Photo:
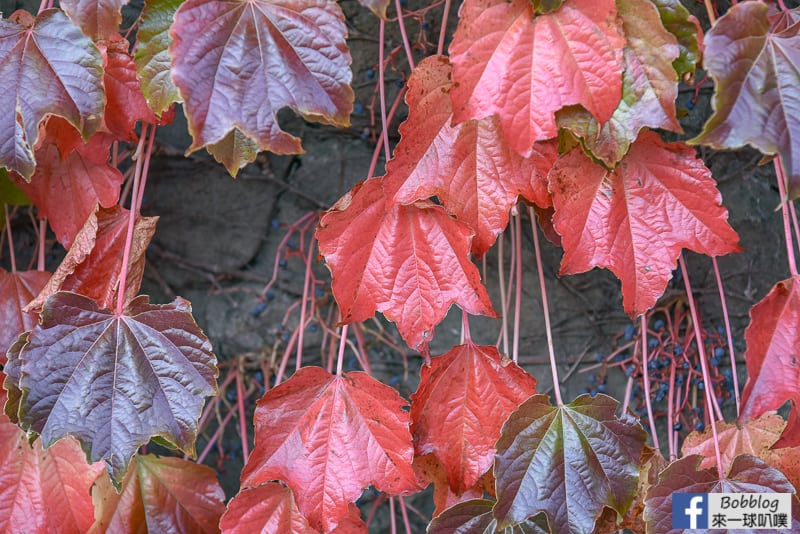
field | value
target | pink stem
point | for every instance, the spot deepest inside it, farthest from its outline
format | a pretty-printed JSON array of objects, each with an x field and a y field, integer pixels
[
  {"x": 40, "y": 265},
  {"x": 403, "y": 34},
  {"x": 465, "y": 328},
  {"x": 646, "y": 382},
  {"x": 627, "y": 400},
  {"x": 214, "y": 437},
  {"x": 518, "y": 285},
  {"x": 503, "y": 295},
  {"x": 240, "y": 397},
  {"x": 382, "y": 84},
  {"x": 392, "y": 519},
  {"x": 11, "y": 240},
  {"x": 793, "y": 213},
  {"x": 671, "y": 441},
  {"x": 379, "y": 145},
  {"x": 340, "y": 356},
  {"x": 146, "y": 167},
  {"x": 784, "y": 209},
  {"x": 443, "y": 29},
  {"x": 725, "y": 317},
  {"x": 703, "y": 363},
  {"x": 546, "y": 307},
  {"x": 123, "y": 275},
  {"x": 403, "y": 511},
  {"x": 306, "y": 284}
]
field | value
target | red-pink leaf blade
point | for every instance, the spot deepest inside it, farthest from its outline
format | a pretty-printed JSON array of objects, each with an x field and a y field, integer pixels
[{"x": 269, "y": 507}]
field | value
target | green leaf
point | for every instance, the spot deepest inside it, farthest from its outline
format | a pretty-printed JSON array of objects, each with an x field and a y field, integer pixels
[
  {"x": 115, "y": 381},
  {"x": 568, "y": 462},
  {"x": 649, "y": 88},
  {"x": 474, "y": 517},
  {"x": 10, "y": 194},
  {"x": 152, "y": 57},
  {"x": 756, "y": 69},
  {"x": 685, "y": 27}
]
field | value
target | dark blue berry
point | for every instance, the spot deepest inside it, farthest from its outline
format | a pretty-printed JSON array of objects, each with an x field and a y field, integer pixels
[
  {"x": 358, "y": 108},
  {"x": 258, "y": 309},
  {"x": 677, "y": 427},
  {"x": 598, "y": 357},
  {"x": 592, "y": 379},
  {"x": 678, "y": 350},
  {"x": 601, "y": 388},
  {"x": 719, "y": 352},
  {"x": 286, "y": 336},
  {"x": 714, "y": 361},
  {"x": 701, "y": 385},
  {"x": 629, "y": 331},
  {"x": 699, "y": 426},
  {"x": 652, "y": 343},
  {"x": 370, "y": 74},
  {"x": 282, "y": 264},
  {"x": 312, "y": 327},
  {"x": 276, "y": 223}
]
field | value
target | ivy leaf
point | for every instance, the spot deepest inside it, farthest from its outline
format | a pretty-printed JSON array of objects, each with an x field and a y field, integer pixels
[
  {"x": 113, "y": 381},
  {"x": 463, "y": 399},
  {"x": 329, "y": 437},
  {"x": 269, "y": 507},
  {"x": 429, "y": 470},
  {"x": 635, "y": 219},
  {"x": 68, "y": 70},
  {"x": 94, "y": 261},
  {"x": 160, "y": 495},
  {"x": 12, "y": 369},
  {"x": 43, "y": 491},
  {"x": 649, "y": 88},
  {"x": 238, "y": 63},
  {"x": 756, "y": 70},
  {"x": 686, "y": 29},
  {"x": 475, "y": 516},
  {"x": 524, "y": 67},
  {"x": 376, "y": 6},
  {"x": 17, "y": 289},
  {"x": 469, "y": 167},
  {"x": 773, "y": 368},
  {"x": 151, "y": 55},
  {"x": 408, "y": 262},
  {"x": 126, "y": 104},
  {"x": 568, "y": 461},
  {"x": 98, "y": 19},
  {"x": 67, "y": 186},
  {"x": 747, "y": 474}
]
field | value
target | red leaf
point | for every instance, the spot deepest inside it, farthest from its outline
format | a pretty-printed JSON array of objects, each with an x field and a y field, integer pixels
[
  {"x": 568, "y": 461},
  {"x": 67, "y": 187},
  {"x": 756, "y": 70},
  {"x": 772, "y": 358},
  {"x": 238, "y": 63},
  {"x": 113, "y": 381},
  {"x": 475, "y": 516},
  {"x": 746, "y": 475},
  {"x": 43, "y": 491},
  {"x": 269, "y": 507},
  {"x": 649, "y": 87},
  {"x": 409, "y": 262},
  {"x": 525, "y": 67},
  {"x": 159, "y": 495},
  {"x": 125, "y": 104},
  {"x": 470, "y": 167},
  {"x": 99, "y": 19},
  {"x": 68, "y": 70},
  {"x": 636, "y": 219},
  {"x": 328, "y": 438},
  {"x": 463, "y": 399},
  {"x": 153, "y": 62},
  {"x": 16, "y": 291},
  {"x": 94, "y": 261},
  {"x": 430, "y": 471}
]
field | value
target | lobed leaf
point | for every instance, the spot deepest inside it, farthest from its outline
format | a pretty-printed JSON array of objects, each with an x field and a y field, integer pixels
[
  {"x": 159, "y": 495},
  {"x": 93, "y": 263},
  {"x": 430, "y": 471},
  {"x": 475, "y": 517},
  {"x": 43, "y": 490},
  {"x": 773, "y": 369},
  {"x": 329, "y": 437},
  {"x": 756, "y": 71},
  {"x": 48, "y": 67},
  {"x": 686, "y": 29},
  {"x": 747, "y": 474},
  {"x": 509, "y": 61},
  {"x": 98, "y": 19},
  {"x": 635, "y": 219},
  {"x": 17, "y": 289},
  {"x": 649, "y": 88},
  {"x": 114, "y": 382},
  {"x": 462, "y": 401},
  {"x": 269, "y": 507},
  {"x": 475, "y": 174},
  {"x": 151, "y": 55},
  {"x": 236, "y": 64},
  {"x": 568, "y": 461},
  {"x": 409, "y": 262}
]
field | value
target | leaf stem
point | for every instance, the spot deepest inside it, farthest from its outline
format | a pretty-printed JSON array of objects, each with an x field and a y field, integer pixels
[
  {"x": 340, "y": 356},
  {"x": 443, "y": 29},
  {"x": 503, "y": 295},
  {"x": 646, "y": 383},
  {"x": 302, "y": 325},
  {"x": 379, "y": 145},
  {"x": 10, "y": 240},
  {"x": 546, "y": 308},
  {"x": 403, "y": 34},
  {"x": 137, "y": 175},
  {"x": 240, "y": 396},
  {"x": 781, "y": 176},
  {"x": 671, "y": 418},
  {"x": 382, "y": 87},
  {"x": 465, "y": 334},
  {"x": 404, "y": 512},
  {"x": 518, "y": 284},
  {"x": 726, "y": 318},
  {"x": 703, "y": 362},
  {"x": 40, "y": 264},
  {"x": 712, "y": 17}
]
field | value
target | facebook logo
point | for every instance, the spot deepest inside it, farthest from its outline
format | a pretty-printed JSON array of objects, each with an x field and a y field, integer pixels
[{"x": 690, "y": 510}]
